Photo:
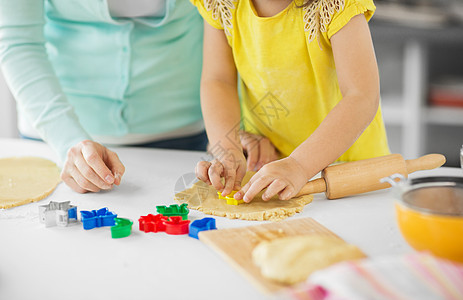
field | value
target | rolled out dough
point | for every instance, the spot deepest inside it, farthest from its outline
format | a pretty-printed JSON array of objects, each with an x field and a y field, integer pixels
[
  {"x": 292, "y": 259},
  {"x": 26, "y": 179},
  {"x": 203, "y": 197}
]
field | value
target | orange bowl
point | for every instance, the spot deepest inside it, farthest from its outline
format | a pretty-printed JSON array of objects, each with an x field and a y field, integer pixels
[{"x": 430, "y": 216}]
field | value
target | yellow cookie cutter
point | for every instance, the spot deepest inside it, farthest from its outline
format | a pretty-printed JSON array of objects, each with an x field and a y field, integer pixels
[{"x": 230, "y": 199}]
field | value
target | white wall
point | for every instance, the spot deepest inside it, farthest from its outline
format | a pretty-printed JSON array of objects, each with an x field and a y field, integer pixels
[{"x": 7, "y": 112}]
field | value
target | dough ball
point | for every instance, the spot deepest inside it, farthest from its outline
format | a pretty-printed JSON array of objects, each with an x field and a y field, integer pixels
[{"x": 291, "y": 260}]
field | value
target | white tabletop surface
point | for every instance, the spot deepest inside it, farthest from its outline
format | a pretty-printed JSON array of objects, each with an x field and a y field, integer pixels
[{"x": 72, "y": 263}]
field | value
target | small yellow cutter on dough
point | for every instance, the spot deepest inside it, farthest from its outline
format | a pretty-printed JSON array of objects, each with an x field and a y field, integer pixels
[{"x": 230, "y": 199}]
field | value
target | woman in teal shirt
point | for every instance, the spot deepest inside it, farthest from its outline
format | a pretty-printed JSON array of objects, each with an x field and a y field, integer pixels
[{"x": 87, "y": 72}]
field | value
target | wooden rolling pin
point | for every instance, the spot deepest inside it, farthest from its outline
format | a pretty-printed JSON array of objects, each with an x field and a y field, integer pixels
[{"x": 363, "y": 176}]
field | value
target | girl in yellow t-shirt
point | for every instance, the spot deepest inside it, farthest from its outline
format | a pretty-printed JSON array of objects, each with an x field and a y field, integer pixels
[{"x": 308, "y": 82}]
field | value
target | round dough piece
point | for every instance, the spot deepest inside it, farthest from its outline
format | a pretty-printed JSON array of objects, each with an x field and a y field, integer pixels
[
  {"x": 292, "y": 259},
  {"x": 26, "y": 179},
  {"x": 203, "y": 197}
]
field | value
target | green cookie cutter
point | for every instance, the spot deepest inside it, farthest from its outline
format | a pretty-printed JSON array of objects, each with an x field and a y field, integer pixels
[
  {"x": 123, "y": 228},
  {"x": 174, "y": 210}
]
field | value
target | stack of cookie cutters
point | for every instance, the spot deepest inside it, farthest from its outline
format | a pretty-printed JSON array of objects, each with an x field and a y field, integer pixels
[
  {"x": 152, "y": 223},
  {"x": 97, "y": 218},
  {"x": 159, "y": 223},
  {"x": 57, "y": 213},
  {"x": 176, "y": 225},
  {"x": 201, "y": 225},
  {"x": 174, "y": 210}
]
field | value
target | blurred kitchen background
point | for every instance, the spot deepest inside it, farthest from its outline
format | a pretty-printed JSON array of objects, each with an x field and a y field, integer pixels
[{"x": 419, "y": 47}]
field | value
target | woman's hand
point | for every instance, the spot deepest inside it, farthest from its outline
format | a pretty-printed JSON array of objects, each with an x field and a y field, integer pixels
[
  {"x": 231, "y": 166},
  {"x": 91, "y": 167},
  {"x": 259, "y": 149},
  {"x": 284, "y": 177}
]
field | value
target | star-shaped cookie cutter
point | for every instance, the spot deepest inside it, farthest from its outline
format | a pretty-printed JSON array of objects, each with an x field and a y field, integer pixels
[
  {"x": 152, "y": 223},
  {"x": 57, "y": 213},
  {"x": 97, "y": 218},
  {"x": 230, "y": 199}
]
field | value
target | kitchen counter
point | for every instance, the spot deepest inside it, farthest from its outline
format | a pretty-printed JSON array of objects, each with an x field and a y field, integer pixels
[{"x": 72, "y": 263}]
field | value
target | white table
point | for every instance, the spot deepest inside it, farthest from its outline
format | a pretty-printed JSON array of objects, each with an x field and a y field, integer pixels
[{"x": 72, "y": 263}]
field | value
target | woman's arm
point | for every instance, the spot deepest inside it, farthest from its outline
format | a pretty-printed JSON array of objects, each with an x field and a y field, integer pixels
[
  {"x": 359, "y": 83},
  {"x": 36, "y": 88},
  {"x": 30, "y": 75}
]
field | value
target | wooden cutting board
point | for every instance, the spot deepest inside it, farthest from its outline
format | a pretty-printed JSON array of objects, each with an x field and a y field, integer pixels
[{"x": 235, "y": 245}]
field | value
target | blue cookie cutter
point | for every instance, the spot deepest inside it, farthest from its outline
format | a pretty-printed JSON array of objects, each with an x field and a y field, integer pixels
[
  {"x": 97, "y": 218},
  {"x": 201, "y": 225}
]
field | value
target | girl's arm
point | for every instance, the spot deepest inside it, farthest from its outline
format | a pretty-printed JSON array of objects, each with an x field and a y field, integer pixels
[
  {"x": 221, "y": 113},
  {"x": 358, "y": 79}
]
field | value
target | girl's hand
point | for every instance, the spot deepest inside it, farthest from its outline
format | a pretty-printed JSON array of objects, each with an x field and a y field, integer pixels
[
  {"x": 91, "y": 167},
  {"x": 231, "y": 166},
  {"x": 259, "y": 149},
  {"x": 284, "y": 177}
]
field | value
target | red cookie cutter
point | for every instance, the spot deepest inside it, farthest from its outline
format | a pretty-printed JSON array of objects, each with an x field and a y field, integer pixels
[
  {"x": 152, "y": 223},
  {"x": 175, "y": 225}
]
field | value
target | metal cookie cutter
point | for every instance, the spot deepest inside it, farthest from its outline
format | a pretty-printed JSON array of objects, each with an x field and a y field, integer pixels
[
  {"x": 123, "y": 228},
  {"x": 230, "y": 199},
  {"x": 152, "y": 223},
  {"x": 201, "y": 225},
  {"x": 174, "y": 210},
  {"x": 175, "y": 225},
  {"x": 97, "y": 218},
  {"x": 57, "y": 213}
]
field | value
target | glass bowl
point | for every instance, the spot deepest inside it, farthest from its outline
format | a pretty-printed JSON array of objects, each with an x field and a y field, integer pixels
[{"x": 429, "y": 213}]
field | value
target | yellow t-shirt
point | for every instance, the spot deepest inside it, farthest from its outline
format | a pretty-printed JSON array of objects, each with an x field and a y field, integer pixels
[{"x": 288, "y": 81}]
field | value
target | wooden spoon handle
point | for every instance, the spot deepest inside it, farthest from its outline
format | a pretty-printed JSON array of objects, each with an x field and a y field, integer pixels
[
  {"x": 313, "y": 187},
  {"x": 426, "y": 162}
]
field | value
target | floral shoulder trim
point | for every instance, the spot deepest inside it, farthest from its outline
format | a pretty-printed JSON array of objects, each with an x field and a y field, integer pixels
[
  {"x": 318, "y": 15},
  {"x": 222, "y": 11}
]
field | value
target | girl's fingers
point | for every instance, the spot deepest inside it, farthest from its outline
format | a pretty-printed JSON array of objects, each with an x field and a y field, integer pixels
[
  {"x": 251, "y": 144},
  {"x": 252, "y": 149},
  {"x": 240, "y": 194},
  {"x": 287, "y": 193},
  {"x": 201, "y": 171},
  {"x": 239, "y": 177},
  {"x": 267, "y": 153},
  {"x": 230, "y": 175},
  {"x": 257, "y": 186},
  {"x": 263, "y": 154},
  {"x": 274, "y": 188},
  {"x": 215, "y": 173}
]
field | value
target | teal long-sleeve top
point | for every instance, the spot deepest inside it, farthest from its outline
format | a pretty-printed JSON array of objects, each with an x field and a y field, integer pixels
[{"x": 77, "y": 73}]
